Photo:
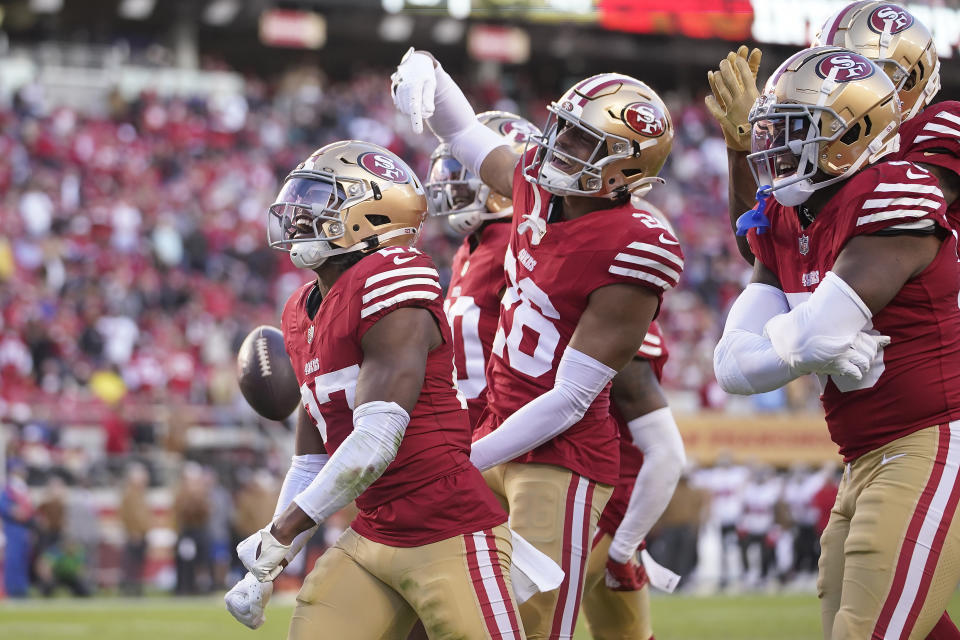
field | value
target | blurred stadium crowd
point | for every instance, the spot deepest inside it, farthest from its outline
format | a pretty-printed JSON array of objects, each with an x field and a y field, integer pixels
[
  {"x": 133, "y": 262},
  {"x": 729, "y": 527}
]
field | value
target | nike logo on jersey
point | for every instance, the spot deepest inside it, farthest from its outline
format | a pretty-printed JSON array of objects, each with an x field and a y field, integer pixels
[
  {"x": 916, "y": 176},
  {"x": 887, "y": 459},
  {"x": 399, "y": 260},
  {"x": 665, "y": 240}
]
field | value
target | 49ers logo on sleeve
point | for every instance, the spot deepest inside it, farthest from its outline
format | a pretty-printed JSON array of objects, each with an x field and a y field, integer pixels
[
  {"x": 891, "y": 14},
  {"x": 849, "y": 66},
  {"x": 383, "y": 166},
  {"x": 645, "y": 118}
]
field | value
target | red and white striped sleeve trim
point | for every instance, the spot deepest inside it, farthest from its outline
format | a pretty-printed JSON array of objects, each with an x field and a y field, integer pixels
[
  {"x": 652, "y": 346},
  {"x": 650, "y": 263},
  {"x": 389, "y": 288},
  {"x": 905, "y": 201},
  {"x": 942, "y": 124}
]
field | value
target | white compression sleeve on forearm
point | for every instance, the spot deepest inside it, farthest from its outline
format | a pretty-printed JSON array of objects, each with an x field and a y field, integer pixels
[
  {"x": 364, "y": 455},
  {"x": 821, "y": 328},
  {"x": 744, "y": 361},
  {"x": 655, "y": 434},
  {"x": 454, "y": 122},
  {"x": 303, "y": 469},
  {"x": 579, "y": 381}
]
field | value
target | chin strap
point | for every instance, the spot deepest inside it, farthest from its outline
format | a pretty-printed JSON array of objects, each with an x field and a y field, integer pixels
[
  {"x": 366, "y": 244},
  {"x": 641, "y": 187}
]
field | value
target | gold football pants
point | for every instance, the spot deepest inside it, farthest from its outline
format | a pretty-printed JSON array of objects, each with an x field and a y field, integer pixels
[
  {"x": 890, "y": 556},
  {"x": 613, "y": 615},
  {"x": 363, "y": 590},
  {"x": 557, "y": 511}
]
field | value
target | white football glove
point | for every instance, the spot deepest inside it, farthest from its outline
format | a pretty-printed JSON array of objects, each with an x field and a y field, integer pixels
[
  {"x": 859, "y": 356},
  {"x": 413, "y": 86},
  {"x": 247, "y": 600},
  {"x": 263, "y": 555}
]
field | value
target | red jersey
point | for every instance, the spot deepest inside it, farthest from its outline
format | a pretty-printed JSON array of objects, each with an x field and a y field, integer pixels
[
  {"x": 654, "y": 351},
  {"x": 431, "y": 491},
  {"x": 550, "y": 276},
  {"x": 917, "y": 384},
  {"x": 933, "y": 137},
  {"x": 473, "y": 309}
]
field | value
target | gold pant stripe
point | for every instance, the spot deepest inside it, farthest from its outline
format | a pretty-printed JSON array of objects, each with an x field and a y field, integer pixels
[{"x": 924, "y": 540}]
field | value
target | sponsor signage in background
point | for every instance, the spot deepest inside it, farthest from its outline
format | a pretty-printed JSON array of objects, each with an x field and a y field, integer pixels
[
  {"x": 778, "y": 439},
  {"x": 509, "y": 45},
  {"x": 787, "y": 22},
  {"x": 727, "y": 19},
  {"x": 292, "y": 29}
]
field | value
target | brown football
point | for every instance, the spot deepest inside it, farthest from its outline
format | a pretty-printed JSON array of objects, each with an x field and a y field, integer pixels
[{"x": 266, "y": 375}]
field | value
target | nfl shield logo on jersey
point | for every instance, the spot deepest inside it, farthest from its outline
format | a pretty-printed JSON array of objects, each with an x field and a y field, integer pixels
[
  {"x": 804, "y": 244},
  {"x": 310, "y": 335}
]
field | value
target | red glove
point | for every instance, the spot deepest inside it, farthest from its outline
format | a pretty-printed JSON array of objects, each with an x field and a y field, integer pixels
[{"x": 628, "y": 576}]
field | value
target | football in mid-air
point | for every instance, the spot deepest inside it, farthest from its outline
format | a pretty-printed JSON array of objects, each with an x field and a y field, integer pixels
[{"x": 266, "y": 375}]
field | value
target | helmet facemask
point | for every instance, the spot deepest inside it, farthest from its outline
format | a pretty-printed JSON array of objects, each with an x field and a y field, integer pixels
[
  {"x": 454, "y": 191},
  {"x": 572, "y": 156},
  {"x": 786, "y": 145},
  {"x": 307, "y": 217}
]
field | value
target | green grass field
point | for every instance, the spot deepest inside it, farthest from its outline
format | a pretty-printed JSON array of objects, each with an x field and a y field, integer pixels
[{"x": 746, "y": 617}]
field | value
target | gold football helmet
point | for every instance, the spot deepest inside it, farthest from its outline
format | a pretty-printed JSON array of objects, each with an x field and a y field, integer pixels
[
  {"x": 896, "y": 41},
  {"x": 607, "y": 136},
  {"x": 347, "y": 196},
  {"x": 824, "y": 113},
  {"x": 455, "y": 192}
]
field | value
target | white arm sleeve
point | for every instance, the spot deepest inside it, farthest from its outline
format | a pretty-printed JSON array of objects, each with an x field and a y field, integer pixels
[
  {"x": 820, "y": 329},
  {"x": 579, "y": 381},
  {"x": 744, "y": 361},
  {"x": 303, "y": 469},
  {"x": 378, "y": 429},
  {"x": 655, "y": 434}
]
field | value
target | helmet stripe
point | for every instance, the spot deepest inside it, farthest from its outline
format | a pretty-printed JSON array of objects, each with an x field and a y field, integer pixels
[
  {"x": 835, "y": 26},
  {"x": 589, "y": 87},
  {"x": 786, "y": 65}
]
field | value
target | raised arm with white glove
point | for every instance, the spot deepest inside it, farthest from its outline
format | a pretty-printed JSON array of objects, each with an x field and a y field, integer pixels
[{"x": 422, "y": 90}]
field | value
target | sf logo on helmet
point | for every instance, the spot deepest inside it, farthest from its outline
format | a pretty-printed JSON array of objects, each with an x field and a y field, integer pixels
[
  {"x": 645, "y": 118},
  {"x": 892, "y": 15},
  {"x": 846, "y": 66},
  {"x": 383, "y": 167}
]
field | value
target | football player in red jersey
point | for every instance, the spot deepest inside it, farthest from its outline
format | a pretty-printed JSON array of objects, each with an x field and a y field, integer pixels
[
  {"x": 382, "y": 420},
  {"x": 930, "y": 136},
  {"x": 619, "y": 606},
  {"x": 870, "y": 253},
  {"x": 903, "y": 48},
  {"x": 586, "y": 272},
  {"x": 477, "y": 282}
]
